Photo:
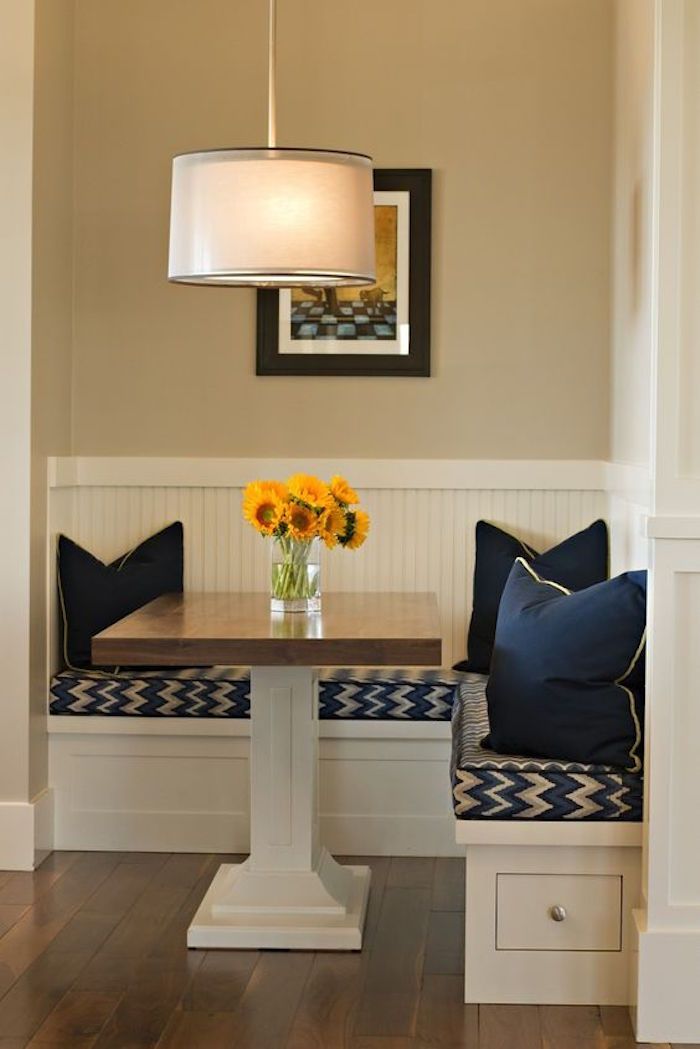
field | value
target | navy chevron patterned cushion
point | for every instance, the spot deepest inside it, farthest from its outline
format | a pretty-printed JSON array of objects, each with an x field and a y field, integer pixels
[
  {"x": 491, "y": 786},
  {"x": 356, "y": 693}
]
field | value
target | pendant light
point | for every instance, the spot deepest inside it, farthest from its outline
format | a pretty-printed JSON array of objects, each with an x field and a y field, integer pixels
[{"x": 272, "y": 216}]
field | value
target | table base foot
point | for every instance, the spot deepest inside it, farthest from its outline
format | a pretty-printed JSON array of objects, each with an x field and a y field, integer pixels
[{"x": 215, "y": 925}]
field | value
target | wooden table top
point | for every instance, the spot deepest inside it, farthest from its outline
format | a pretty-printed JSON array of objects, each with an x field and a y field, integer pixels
[{"x": 193, "y": 629}]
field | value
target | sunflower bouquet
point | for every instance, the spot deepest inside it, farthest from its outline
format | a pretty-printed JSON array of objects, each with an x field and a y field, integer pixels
[{"x": 299, "y": 514}]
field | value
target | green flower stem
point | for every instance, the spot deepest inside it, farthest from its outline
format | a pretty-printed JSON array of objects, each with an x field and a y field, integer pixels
[{"x": 293, "y": 577}]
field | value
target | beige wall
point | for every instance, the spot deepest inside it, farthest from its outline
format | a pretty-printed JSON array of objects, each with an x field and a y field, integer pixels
[
  {"x": 632, "y": 231},
  {"x": 16, "y": 100},
  {"x": 509, "y": 101},
  {"x": 35, "y": 360},
  {"x": 52, "y": 317}
]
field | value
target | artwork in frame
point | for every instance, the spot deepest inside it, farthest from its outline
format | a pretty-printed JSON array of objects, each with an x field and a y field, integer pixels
[{"x": 380, "y": 329}]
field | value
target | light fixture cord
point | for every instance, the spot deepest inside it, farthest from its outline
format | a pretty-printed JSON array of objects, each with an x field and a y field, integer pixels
[{"x": 272, "y": 78}]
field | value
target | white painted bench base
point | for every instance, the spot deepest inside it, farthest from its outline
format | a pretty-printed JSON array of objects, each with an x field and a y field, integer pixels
[
  {"x": 182, "y": 785},
  {"x": 516, "y": 952}
]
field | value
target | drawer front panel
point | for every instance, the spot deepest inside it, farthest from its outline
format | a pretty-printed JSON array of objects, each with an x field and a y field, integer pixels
[{"x": 588, "y": 906}]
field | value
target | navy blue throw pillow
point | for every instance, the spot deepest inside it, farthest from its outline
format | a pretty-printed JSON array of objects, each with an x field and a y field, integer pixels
[
  {"x": 567, "y": 677},
  {"x": 577, "y": 562},
  {"x": 94, "y": 595}
]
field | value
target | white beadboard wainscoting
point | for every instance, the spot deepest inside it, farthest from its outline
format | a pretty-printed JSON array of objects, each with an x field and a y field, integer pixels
[
  {"x": 421, "y": 538},
  {"x": 165, "y": 784}
]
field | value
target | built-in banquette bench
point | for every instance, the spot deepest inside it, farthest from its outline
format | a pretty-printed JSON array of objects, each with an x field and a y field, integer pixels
[
  {"x": 181, "y": 781},
  {"x": 552, "y": 869},
  {"x": 552, "y": 847},
  {"x": 158, "y": 759}
]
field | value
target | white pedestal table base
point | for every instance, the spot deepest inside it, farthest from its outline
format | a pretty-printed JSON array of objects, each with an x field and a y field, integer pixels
[{"x": 290, "y": 892}]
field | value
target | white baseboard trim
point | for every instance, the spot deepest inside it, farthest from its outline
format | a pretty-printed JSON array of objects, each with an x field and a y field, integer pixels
[
  {"x": 668, "y": 978},
  {"x": 364, "y": 835},
  {"x": 204, "y": 832},
  {"x": 139, "y": 831},
  {"x": 26, "y": 832}
]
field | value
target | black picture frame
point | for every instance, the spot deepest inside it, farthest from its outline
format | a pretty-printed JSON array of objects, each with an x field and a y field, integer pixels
[{"x": 416, "y": 363}]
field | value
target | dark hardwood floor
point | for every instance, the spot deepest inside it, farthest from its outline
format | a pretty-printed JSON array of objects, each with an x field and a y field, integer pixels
[{"x": 93, "y": 956}]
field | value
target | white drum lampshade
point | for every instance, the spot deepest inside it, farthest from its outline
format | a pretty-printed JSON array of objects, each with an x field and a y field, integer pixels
[{"x": 272, "y": 217}]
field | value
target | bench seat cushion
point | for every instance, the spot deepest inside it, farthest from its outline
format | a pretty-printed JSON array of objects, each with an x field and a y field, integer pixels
[
  {"x": 486, "y": 785},
  {"x": 364, "y": 693}
]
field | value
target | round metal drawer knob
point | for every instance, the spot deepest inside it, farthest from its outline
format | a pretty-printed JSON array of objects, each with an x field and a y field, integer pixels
[{"x": 558, "y": 914}]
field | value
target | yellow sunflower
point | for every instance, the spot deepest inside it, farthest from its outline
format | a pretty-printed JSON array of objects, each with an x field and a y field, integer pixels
[
  {"x": 342, "y": 491},
  {"x": 263, "y": 505},
  {"x": 310, "y": 490},
  {"x": 279, "y": 487},
  {"x": 333, "y": 524},
  {"x": 359, "y": 526},
  {"x": 302, "y": 523}
]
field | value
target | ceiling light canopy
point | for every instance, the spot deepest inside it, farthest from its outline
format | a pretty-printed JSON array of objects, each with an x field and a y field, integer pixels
[{"x": 272, "y": 216}]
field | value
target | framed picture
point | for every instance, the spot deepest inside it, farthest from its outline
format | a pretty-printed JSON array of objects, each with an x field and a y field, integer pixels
[{"x": 380, "y": 329}]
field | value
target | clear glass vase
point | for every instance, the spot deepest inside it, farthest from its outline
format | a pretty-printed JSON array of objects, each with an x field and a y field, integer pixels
[{"x": 296, "y": 575}]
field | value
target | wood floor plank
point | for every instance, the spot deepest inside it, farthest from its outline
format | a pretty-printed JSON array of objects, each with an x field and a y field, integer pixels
[
  {"x": 79, "y": 1016},
  {"x": 148, "y": 1003},
  {"x": 444, "y": 1021},
  {"x": 40, "y": 988},
  {"x": 10, "y": 913},
  {"x": 445, "y": 944},
  {"x": 411, "y": 872},
  {"x": 160, "y": 981},
  {"x": 153, "y": 859},
  {"x": 220, "y": 981},
  {"x": 26, "y": 887},
  {"x": 389, "y": 1001},
  {"x": 267, "y": 1007},
  {"x": 615, "y": 1021},
  {"x": 132, "y": 921},
  {"x": 326, "y": 1015},
  {"x": 73, "y": 1043},
  {"x": 618, "y": 1032},
  {"x": 138, "y": 930},
  {"x": 38, "y": 991},
  {"x": 509, "y": 1025},
  {"x": 173, "y": 935},
  {"x": 366, "y": 1042},
  {"x": 625, "y": 1042},
  {"x": 48, "y": 916},
  {"x": 571, "y": 1027},
  {"x": 448, "y": 884},
  {"x": 198, "y": 1030},
  {"x": 119, "y": 892}
]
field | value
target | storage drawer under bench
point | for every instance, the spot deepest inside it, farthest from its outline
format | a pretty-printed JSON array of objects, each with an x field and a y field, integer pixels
[
  {"x": 549, "y": 924},
  {"x": 558, "y": 912}
]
